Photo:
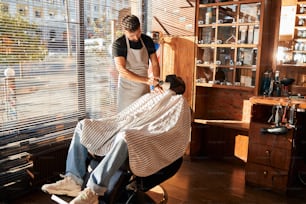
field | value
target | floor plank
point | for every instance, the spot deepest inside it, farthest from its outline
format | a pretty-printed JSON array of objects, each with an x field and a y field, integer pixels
[{"x": 204, "y": 181}]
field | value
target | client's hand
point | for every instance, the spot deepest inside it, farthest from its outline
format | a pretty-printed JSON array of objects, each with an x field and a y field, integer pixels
[{"x": 158, "y": 89}]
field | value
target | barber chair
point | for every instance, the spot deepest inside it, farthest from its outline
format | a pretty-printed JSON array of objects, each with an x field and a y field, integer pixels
[{"x": 126, "y": 188}]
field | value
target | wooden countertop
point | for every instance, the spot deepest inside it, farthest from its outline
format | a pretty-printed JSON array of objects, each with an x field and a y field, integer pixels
[
  {"x": 233, "y": 124},
  {"x": 300, "y": 103}
]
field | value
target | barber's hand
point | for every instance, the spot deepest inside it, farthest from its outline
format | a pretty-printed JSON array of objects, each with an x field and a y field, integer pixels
[
  {"x": 152, "y": 81},
  {"x": 155, "y": 83}
]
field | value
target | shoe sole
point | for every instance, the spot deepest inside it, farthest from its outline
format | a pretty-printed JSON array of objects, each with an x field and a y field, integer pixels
[{"x": 63, "y": 192}]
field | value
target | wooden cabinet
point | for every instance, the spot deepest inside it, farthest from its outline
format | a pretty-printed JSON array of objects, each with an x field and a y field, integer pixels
[
  {"x": 269, "y": 157},
  {"x": 275, "y": 160},
  {"x": 234, "y": 45},
  {"x": 235, "y": 41},
  {"x": 228, "y": 36},
  {"x": 267, "y": 177}
]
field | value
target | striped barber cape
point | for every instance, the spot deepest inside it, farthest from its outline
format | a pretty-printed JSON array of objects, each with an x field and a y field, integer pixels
[{"x": 156, "y": 128}]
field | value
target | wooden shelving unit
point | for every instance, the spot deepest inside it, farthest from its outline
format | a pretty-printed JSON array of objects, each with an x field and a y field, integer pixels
[
  {"x": 299, "y": 49},
  {"x": 228, "y": 38},
  {"x": 294, "y": 66},
  {"x": 232, "y": 48}
]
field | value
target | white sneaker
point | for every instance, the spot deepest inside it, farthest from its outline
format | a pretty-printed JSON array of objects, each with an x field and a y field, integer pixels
[
  {"x": 66, "y": 186},
  {"x": 87, "y": 196}
]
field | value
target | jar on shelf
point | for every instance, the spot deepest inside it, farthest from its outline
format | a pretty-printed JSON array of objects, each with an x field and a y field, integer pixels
[
  {"x": 302, "y": 9},
  {"x": 296, "y": 46},
  {"x": 301, "y": 46},
  {"x": 301, "y": 22}
]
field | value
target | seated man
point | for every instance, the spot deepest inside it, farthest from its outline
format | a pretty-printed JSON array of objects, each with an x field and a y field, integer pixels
[{"x": 152, "y": 132}]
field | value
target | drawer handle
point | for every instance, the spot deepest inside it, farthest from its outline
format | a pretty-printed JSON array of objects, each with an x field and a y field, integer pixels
[
  {"x": 268, "y": 152},
  {"x": 265, "y": 173}
]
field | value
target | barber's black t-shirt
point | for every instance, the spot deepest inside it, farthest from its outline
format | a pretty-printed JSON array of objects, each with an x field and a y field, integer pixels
[{"x": 119, "y": 47}]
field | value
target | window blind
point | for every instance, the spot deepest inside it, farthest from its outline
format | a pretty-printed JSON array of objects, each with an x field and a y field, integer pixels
[
  {"x": 39, "y": 64},
  {"x": 56, "y": 68},
  {"x": 49, "y": 56},
  {"x": 41, "y": 81}
]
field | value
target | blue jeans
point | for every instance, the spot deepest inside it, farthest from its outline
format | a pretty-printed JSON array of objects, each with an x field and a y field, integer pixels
[{"x": 101, "y": 175}]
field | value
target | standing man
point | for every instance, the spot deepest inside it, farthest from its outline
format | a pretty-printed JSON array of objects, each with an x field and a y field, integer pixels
[{"x": 132, "y": 53}]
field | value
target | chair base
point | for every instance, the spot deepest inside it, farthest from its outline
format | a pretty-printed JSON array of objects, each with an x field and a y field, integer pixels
[
  {"x": 135, "y": 198},
  {"x": 126, "y": 188},
  {"x": 140, "y": 197}
]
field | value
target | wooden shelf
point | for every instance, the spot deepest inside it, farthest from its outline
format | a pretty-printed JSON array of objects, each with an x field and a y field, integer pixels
[
  {"x": 300, "y": 40},
  {"x": 301, "y": 103},
  {"x": 300, "y": 51},
  {"x": 300, "y": 27},
  {"x": 214, "y": 25},
  {"x": 227, "y": 3},
  {"x": 233, "y": 45},
  {"x": 242, "y": 88},
  {"x": 301, "y": 2},
  {"x": 227, "y": 66},
  {"x": 301, "y": 15},
  {"x": 294, "y": 66},
  {"x": 233, "y": 124},
  {"x": 205, "y": 65}
]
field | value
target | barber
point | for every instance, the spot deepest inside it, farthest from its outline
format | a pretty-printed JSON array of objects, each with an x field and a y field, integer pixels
[{"x": 132, "y": 53}]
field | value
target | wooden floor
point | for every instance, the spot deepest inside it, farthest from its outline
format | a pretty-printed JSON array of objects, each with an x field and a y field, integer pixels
[{"x": 205, "y": 181}]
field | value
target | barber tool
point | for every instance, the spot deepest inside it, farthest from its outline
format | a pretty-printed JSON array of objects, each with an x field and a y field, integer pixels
[
  {"x": 270, "y": 89},
  {"x": 291, "y": 114},
  {"x": 286, "y": 82},
  {"x": 164, "y": 85},
  {"x": 284, "y": 117},
  {"x": 277, "y": 112},
  {"x": 275, "y": 130},
  {"x": 278, "y": 115}
]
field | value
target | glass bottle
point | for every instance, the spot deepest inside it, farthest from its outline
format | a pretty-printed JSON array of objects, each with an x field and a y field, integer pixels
[
  {"x": 265, "y": 84},
  {"x": 277, "y": 84},
  {"x": 208, "y": 16}
]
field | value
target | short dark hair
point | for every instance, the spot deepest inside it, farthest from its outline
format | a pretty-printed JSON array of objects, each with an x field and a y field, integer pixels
[
  {"x": 130, "y": 23},
  {"x": 177, "y": 84}
]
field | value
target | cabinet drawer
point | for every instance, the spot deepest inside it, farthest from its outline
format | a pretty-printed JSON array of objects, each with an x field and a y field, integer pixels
[
  {"x": 266, "y": 176},
  {"x": 270, "y": 156},
  {"x": 281, "y": 141}
]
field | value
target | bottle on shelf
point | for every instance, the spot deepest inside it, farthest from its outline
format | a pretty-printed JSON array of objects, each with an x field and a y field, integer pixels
[
  {"x": 301, "y": 22},
  {"x": 208, "y": 16},
  {"x": 277, "y": 84},
  {"x": 302, "y": 9},
  {"x": 292, "y": 115},
  {"x": 266, "y": 83}
]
